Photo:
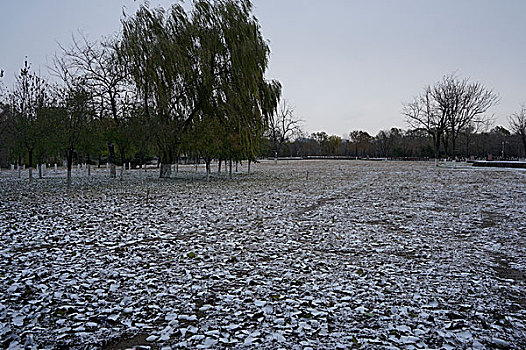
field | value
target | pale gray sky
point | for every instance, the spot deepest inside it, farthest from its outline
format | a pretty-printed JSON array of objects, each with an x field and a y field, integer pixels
[{"x": 344, "y": 64}]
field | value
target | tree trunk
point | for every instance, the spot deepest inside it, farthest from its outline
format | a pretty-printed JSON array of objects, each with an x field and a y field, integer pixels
[
  {"x": 468, "y": 140},
  {"x": 30, "y": 164},
  {"x": 88, "y": 161},
  {"x": 166, "y": 171},
  {"x": 446, "y": 145},
  {"x": 249, "y": 163},
  {"x": 230, "y": 170},
  {"x": 454, "y": 146},
  {"x": 123, "y": 161},
  {"x": 219, "y": 166},
  {"x": 207, "y": 165},
  {"x": 111, "y": 151},
  {"x": 39, "y": 165},
  {"x": 437, "y": 149},
  {"x": 69, "y": 164}
]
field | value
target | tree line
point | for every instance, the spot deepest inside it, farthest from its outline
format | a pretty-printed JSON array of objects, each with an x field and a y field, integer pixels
[
  {"x": 191, "y": 84},
  {"x": 409, "y": 144},
  {"x": 172, "y": 83},
  {"x": 449, "y": 119}
]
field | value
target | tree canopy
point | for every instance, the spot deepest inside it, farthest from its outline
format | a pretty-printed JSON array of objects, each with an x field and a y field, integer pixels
[{"x": 204, "y": 65}]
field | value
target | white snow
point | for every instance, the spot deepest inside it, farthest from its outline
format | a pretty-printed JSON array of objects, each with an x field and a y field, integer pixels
[{"x": 381, "y": 254}]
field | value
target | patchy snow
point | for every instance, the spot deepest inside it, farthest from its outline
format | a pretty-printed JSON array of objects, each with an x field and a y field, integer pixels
[{"x": 369, "y": 254}]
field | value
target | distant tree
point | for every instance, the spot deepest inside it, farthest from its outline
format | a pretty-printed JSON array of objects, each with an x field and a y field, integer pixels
[
  {"x": 4, "y": 123},
  {"x": 91, "y": 138},
  {"x": 28, "y": 100},
  {"x": 499, "y": 137},
  {"x": 105, "y": 80},
  {"x": 416, "y": 144},
  {"x": 7, "y": 140},
  {"x": 424, "y": 114},
  {"x": 468, "y": 134},
  {"x": 322, "y": 139},
  {"x": 5, "y": 119},
  {"x": 334, "y": 144},
  {"x": 517, "y": 123},
  {"x": 142, "y": 135},
  {"x": 360, "y": 141},
  {"x": 447, "y": 107},
  {"x": 392, "y": 143},
  {"x": 75, "y": 110},
  {"x": 47, "y": 145},
  {"x": 462, "y": 103},
  {"x": 282, "y": 126},
  {"x": 207, "y": 139},
  {"x": 305, "y": 146},
  {"x": 383, "y": 143},
  {"x": 401, "y": 142},
  {"x": 73, "y": 117}
]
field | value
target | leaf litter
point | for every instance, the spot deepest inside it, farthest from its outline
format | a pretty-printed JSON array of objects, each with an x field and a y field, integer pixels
[{"x": 357, "y": 254}]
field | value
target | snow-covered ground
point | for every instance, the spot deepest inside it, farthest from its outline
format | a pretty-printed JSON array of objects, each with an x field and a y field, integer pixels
[{"x": 298, "y": 255}]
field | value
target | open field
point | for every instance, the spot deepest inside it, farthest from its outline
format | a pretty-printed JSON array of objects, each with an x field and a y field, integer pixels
[{"x": 298, "y": 255}]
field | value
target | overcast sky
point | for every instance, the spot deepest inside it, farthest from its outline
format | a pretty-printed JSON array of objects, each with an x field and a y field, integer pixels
[{"x": 343, "y": 64}]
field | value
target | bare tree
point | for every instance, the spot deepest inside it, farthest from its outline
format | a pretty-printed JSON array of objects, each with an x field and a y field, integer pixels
[
  {"x": 462, "y": 103},
  {"x": 105, "y": 78},
  {"x": 76, "y": 107},
  {"x": 282, "y": 126},
  {"x": 424, "y": 114},
  {"x": 447, "y": 108},
  {"x": 518, "y": 124}
]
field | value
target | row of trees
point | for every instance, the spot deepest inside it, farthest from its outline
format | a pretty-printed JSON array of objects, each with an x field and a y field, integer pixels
[
  {"x": 173, "y": 83},
  {"x": 413, "y": 144},
  {"x": 191, "y": 84},
  {"x": 449, "y": 119},
  {"x": 134, "y": 135}
]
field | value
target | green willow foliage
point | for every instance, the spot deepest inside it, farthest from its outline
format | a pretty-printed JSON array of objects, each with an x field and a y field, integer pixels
[{"x": 204, "y": 65}]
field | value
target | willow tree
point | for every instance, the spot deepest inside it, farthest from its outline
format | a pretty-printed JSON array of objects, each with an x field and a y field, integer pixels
[
  {"x": 246, "y": 99},
  {"x": 207, "y": 63},
  {"x": 155, "y": 48}
]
